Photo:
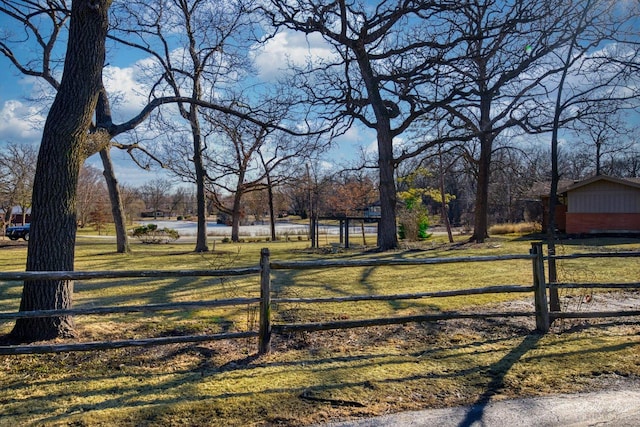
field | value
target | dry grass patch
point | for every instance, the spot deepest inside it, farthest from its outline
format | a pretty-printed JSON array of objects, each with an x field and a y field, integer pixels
[
  {"x": 316, "y": 377},
  {"x": 313, "y": 378},
  {"x": 516, "y": 228}
]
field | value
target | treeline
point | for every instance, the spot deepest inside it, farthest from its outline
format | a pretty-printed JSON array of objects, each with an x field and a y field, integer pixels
[{"x": 332, "y": 192}]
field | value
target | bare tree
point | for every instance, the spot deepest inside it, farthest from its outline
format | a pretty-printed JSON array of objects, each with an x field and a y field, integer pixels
[
  {"x": 210, "y": 57},
  {"x": 66, "y": 142},
  {"x": 249, "y": 158},
  {"x": 509, "y": 184},
  {"x": 627, "y": 164},
  {"x": 156, "y": 195},
  {"x": 17, "y": 170},
  {"x": 500, "y": 66},
  {"x": 181, "y": 202},
  {"x": 603, "y": 134},
  {"x": 69, "y": 137},
  {"x": 133, "y": 203},
  {"x": 44, "y": 23},
  {"x": 91, "y": 192},
  {"x": 384, "y": 57},
  {"x": 585, "y": 83}
]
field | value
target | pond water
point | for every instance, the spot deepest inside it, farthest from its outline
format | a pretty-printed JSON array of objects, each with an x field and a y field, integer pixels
[{"x": 188, "y": 228}]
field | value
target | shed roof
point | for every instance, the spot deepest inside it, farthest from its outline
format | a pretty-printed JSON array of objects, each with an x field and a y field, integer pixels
[{"x": 631, "y": 182}]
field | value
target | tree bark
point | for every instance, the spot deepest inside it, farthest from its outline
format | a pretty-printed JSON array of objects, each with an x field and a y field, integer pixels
[
  {"x": 201, "y": 232},
  {"x": 235, "y": 216},
  {"x": 486, "y": 137},
  {"x": 117, "y": 209},
  {"x": 480, "y": 226},
  {"x": 104, "y": 119},
  {"x": 62, "y": 152},
  {"x": 387, "y": 229},
  {"x": 272, "y": 213}
]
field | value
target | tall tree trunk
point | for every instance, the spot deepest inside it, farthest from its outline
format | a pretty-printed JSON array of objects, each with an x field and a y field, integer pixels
[
  {"x": 486, "y": 137},
  {"x": 443, "y": 197},
  {"x": 235, "y": 217},
  {"x": 117, "y": 209},
  {"x": 62, "y": 152},
  {"x": 554, "y": 297},
  {"x": 104, "y": 119},
  {"x": 480, "y": 223},
  {"x": 201, "y": 231},
  {"x": 387, "y": 227},
  {"x": 387, "y": 233},
  {"x": 272, "y": 211}
]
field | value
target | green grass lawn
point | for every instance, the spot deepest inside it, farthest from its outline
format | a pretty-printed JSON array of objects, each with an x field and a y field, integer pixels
[{"x": 311, "y": 377}]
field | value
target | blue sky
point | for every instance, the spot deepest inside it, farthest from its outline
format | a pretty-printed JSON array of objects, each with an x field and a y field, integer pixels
[{"x": 21, "y": 119}]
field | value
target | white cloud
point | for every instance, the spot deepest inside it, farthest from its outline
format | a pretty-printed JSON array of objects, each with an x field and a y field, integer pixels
[
  {"x": 125, "y": 89},
  {"x": 289, "y": 47},
  {"x": 20, "y": 123}
]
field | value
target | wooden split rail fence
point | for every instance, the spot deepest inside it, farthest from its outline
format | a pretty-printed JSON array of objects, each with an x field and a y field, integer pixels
[{"x": 267, "y": 328}]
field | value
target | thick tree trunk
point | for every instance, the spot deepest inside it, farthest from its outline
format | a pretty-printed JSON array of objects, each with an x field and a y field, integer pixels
[
  {"x": 194, "y": 121},
  {"x": 62, "y": 152},
  {"x": 481, "y": 217},
  {"x": 387, "y": 229},
  {"x": 235, "y": 217},
  {"x": 201, "y": 232},
  {"x": 480, "y": 223}
]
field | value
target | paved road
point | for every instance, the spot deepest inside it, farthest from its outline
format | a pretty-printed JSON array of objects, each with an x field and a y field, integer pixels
[{"x": 620, "y": 408}]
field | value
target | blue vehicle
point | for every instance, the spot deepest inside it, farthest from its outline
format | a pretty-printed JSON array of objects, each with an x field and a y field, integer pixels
[{"x": 18, "y": 232}]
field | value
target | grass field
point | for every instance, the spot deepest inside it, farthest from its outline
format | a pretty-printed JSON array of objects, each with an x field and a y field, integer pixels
[{"x": 314, "y": 377}]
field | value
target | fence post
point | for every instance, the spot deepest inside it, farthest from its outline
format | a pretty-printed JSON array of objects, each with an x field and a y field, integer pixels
[
  {"x": 540, "y": 288},
  {"x": 264, "y": 334},
  {"x": 554, "y": 299}
]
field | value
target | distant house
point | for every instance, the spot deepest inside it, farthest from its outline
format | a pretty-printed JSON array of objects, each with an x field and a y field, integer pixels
[
  {"x": 17, "y": 215},
  {"x": 600, "y": 204},
  {"x": 153, "y": 214}
]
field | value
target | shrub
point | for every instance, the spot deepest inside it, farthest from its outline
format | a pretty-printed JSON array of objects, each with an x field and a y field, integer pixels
[
  {"x": 414, "y": 224},
  {"x": 151, "y": 234}
]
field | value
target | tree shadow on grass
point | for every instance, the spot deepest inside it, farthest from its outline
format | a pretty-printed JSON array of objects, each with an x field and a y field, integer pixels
[{"x": 497, "y": 372}]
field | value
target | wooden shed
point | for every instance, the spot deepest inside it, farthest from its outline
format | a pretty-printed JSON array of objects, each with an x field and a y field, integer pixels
[{"x": 602, "y": 204}]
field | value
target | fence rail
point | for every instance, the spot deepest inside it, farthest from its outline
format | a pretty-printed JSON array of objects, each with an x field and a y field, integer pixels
[
  {"x": 265, "y": 302},
  {"x": 601, "y": 285},
  {"x": 147, "y": 308}
]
